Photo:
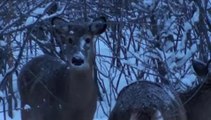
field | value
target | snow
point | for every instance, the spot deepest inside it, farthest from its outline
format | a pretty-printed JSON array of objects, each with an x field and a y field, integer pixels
[
  {"x": 168, "y": 45},
  {"x": 27, "y": 107},
  {"x": 189, "y": 79},
  {"x": 2, "y": 43},
  {"x": 101, "y": 118},
  {"x": 181, "y": 1},
  {"x": 148, "y": 2},
  {"x": 196, "y": 14},
  {"x": 30, "y": 20},
  {"x": 16, "y": 116},
  {"x": 1, "y": 93},
  {"x": 39, "y": 13}
]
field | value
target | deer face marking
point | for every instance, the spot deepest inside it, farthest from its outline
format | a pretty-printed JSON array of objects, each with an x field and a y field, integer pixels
[{"x": 77, "y": 41}]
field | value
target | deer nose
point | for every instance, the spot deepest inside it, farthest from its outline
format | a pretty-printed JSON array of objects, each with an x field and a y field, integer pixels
[{"x": 77, "y": 61}]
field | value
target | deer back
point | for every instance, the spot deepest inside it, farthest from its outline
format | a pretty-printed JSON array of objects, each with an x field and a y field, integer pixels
[{"x": 145, "y": 100}]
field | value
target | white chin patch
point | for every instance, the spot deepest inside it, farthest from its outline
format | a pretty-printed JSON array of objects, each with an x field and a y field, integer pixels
[{"x": 157, "y": 115}]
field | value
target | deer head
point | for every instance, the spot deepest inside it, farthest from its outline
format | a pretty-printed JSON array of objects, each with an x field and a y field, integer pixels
[
  {"x": 77, "y": 41},
  {"x": 145, "y": 100}
]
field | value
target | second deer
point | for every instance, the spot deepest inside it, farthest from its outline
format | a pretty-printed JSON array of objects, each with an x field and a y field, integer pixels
[
  {"x": 63, "y": 89},
  {"x": 197, "y": 101},
  {"x": 145, "y": 100}
]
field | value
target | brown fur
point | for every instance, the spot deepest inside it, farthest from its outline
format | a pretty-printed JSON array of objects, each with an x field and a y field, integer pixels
[
  {"x": 65, "y": 89},
  {"x": 197, "y": 101},
  {"x": 144, "y": 100}
]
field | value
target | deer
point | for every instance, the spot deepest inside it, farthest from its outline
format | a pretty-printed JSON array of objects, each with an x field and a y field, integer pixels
[
  {"x": 63, "y": 88},
  {"x": 146, "y": 100},
  {"x": 197, "y": 101}
]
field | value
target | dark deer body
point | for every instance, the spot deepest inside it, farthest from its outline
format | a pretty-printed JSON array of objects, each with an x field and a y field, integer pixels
[
  {"x": 63, "y": 89},
  {"x": 197, "y": 101},
  {"x": 144, "y": 100}
]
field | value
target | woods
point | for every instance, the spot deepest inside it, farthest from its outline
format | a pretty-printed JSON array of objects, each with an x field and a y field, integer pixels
[{"x": 145, "y": 40}]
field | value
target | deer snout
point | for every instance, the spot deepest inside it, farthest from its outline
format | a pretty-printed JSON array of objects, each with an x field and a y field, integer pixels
[{"x": 77, "y": 60}]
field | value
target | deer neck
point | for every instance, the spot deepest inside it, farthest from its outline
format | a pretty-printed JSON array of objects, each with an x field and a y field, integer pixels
[{"x": 80, "y": 85}]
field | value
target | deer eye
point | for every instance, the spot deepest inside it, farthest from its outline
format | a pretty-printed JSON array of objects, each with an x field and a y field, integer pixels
[
  {"x": 88, "y": 40},
  {"x": 70, "y": 40}
]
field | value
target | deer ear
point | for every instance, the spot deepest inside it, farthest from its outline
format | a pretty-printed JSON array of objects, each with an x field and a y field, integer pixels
[
  {"x": 98, "y": 26},
  {"x": 200, "y": 68},
  {"x": 60, "y": 24}
]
